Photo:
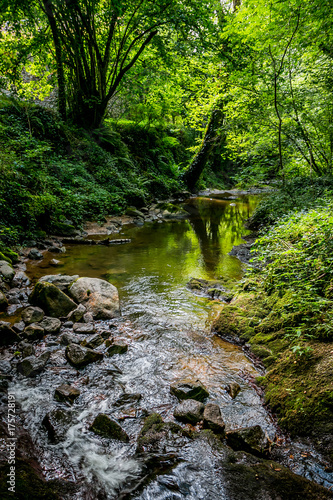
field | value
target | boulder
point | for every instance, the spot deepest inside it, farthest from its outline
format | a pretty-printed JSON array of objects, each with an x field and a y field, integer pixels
[
  {"x": 94, "y": 341},
  {"x": 84, "y": 328},
  {"x": 233, "y": 389},
  {"x": 7, "y": 334},
  {"x": 188, "y": 389},
  {"x": 31, "y": 366},
  {"x": 189, "y": 411},
  {"x": 69, "y": 338},
  {"x": 88, "y": 317},
  {"x": 26, "y": 349},
  {"x": 79, "y": 356},
  {"x": 3, "y": 301},
  {"x": 99, "y": 297},
  {"x": 19, "y": 327},
  {"x": 32, "y": 315},
  {"x": 57, "y": 423},
  {"x": 77, "y": 314},
  {"x": 61, "y": 281},
  {"x": 117, "y": 348},
  {"x": 251, "y": 439},
  {"x": 6, "y": 271},
  {"x": 35, "y": 254},
  {"x": 104, "y": 426},
  {"x": 33, "y": 332},
  {"x": 66, "y": 393},
  {"x": 212, "y": 418},
  {"x": 20, "y": 279},
  {"x": 51, "y": 325},
  {"x": 54, "y": 302}
]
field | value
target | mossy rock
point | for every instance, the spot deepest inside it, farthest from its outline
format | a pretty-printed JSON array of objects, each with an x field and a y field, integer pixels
[
  {"x": 10, "y": 254},
  {"x": 4, "y": 257},
  {"x": 63, "y": 229},
  {"x": 53, "y": 301},
  {"x": 106, "y": 427},
  {"x": 189, "y": 389},
  {"x": 155, "y": 432}
]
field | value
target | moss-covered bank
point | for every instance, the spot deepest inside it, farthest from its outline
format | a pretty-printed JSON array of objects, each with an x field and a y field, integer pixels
[{"x": 283, "y": 310}]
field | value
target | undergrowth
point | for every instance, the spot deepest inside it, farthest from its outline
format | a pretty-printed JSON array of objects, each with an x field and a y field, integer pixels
[{"x": 52, "y": 173}]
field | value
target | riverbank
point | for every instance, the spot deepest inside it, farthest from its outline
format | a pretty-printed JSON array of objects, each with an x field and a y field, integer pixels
[{"x": 282, "y": 311}]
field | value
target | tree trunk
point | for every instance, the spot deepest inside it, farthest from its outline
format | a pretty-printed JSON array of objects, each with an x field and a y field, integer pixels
[
  {"x": 59, "y": 59},
  {"x": 211, "y": 138}
]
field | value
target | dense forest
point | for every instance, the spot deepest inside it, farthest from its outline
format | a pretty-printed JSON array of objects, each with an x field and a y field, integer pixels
[{"x": 109, "y": 107}]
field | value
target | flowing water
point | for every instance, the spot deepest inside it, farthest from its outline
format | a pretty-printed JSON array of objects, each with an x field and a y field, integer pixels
[{"x": 167, "y": 328}]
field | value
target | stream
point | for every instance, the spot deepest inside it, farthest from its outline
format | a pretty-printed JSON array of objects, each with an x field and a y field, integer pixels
[{"x": 167, "y": 329}]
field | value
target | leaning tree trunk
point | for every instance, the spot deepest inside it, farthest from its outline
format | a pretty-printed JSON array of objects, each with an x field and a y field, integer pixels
[{"x": 211, "y": 138}]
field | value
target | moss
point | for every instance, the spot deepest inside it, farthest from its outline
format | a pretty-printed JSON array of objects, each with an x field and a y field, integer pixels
[
  {"x": 104, "y": 426},
  {"x": 153, "y": 419},
  {"x": 10, "y": 254},
  {"x": 299, "y": 381},
  {"x": 4, "y": 257}
]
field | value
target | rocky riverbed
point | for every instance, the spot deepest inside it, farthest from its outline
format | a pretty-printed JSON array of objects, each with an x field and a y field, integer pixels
[{"x": 132, "y": 397}]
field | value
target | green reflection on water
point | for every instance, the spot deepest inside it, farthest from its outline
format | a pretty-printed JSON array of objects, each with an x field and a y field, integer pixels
[{"x": 172, "y": 251}]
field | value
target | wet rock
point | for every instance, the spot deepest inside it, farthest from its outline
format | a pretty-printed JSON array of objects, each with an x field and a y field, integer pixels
[
  {"x": 213, "y": 289},
  {"x": 7, "y": 335},
  {"x": 212, "y": 418},
  {"x": 57, "y": 423},
  {"x": 31, "y": 366},
  {"x": 52, "y": 300},
  {"x": 5, "y": 366},
  {"x": 20, "y": 279},
  {"x": 33, "y": 332},
  {"x": 6, "y": 271},
  {"x": 99, "y": 297},
  {"x": 251, "y": 439},
  {"x": 55, "y": 263},
  {"x": 68, "y": 324},
  {"x": 113, "y": 369},
  {"x": 61, "y": 281},
  {"x": 26, "y": 349},
  {"x": 66, "y": 393},
  {"x": 233, "y": 389},
  {"x": 84, "y": 328},
  {"x": 88, "y": 317},
  {"x": 19, "y": 327},
  {"x": 13, "y": 300},
  {"x": 50, "y": 325},
  {"x": 35, "y": 254},
  {"x": 55, "y": 249},
  {"x": 32, "y": 315},
  {"x": 104, "y": 426},
  {"x": 188, "y": 389},
  {"x": 3, "y": 301},
  {"x": 189, "y": 411},
  {"x": 156, "y": 436},
  {"x": 77, "y": 314},
  {"x": 126, "y": 399},
  {"x": 69, "y": 338},
  {"x": 80, "y": 356},
  {"x": 105, "y": 334},
  {"x": 94, "y": 341},
  {"x": 117, "y": 348}
]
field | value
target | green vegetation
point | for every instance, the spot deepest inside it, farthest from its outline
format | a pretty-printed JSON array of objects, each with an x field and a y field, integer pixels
[
  {"x": 284, "y": 309},
  {"x": 54, "y": 174}
]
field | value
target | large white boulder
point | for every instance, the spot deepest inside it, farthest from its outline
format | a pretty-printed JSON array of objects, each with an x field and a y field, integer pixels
[{"x": 98, "y": 296}]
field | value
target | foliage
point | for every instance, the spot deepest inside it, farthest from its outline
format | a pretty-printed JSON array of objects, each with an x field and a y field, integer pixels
[
  {"x": 52, "y": 172},
  {"x": 295, "y": 257}
]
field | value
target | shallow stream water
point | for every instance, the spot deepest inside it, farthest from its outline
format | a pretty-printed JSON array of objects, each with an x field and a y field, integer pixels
[{"x": 167, "y": 328}]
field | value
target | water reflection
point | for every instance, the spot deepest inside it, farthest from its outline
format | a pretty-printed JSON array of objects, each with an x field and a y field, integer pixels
[{"x": 218, "y": 225}]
